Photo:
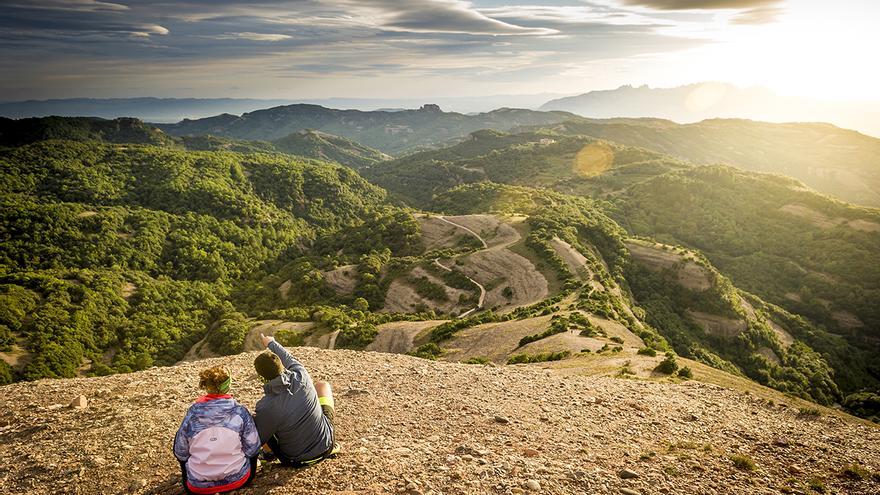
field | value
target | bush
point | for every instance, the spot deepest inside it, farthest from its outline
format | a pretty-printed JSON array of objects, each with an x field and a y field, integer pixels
[
  {"x": 668, "y": 366},
  {"x": 743, "y": 462},
  {"x": 427, "y": 351},
  {"x": 685, "y": 372},
  {"x": 537, "y": 358},
  {"x": 6, "y": 374},
  {"x": 647, "y": 351},
  {"x": 477, "y": 360},
  {"x": 856, "y": 472},
  {"x": 809, "y": 412}
]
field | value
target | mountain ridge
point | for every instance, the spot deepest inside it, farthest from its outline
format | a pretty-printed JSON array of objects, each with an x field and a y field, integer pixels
[{"x": 699, "y": 101}]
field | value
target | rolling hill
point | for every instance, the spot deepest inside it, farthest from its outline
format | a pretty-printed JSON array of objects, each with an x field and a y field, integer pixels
[
  {"x": 390, "y": 132},
  {"x": 573, "y": 164},
  {"x": 710, "y": 100},
  {"x": 831, "y": 160}
]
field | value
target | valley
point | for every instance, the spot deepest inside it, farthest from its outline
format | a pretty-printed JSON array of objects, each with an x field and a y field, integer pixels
[{"x": 128, "y": 248}]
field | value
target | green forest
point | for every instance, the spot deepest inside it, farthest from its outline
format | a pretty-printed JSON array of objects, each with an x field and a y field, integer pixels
[
  {"x": 119, "y": 257},
  {"x": 123, "y": 246}
]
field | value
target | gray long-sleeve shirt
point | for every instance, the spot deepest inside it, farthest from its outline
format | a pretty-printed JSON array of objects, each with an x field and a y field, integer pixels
[{"x": 290, "y": 411}]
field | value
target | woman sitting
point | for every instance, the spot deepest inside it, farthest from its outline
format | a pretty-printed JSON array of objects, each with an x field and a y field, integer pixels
[{"x": 217, "y": 443}]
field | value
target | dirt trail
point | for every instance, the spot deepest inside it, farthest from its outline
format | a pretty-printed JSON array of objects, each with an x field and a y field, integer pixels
[
  {"x": 483, "y": 241},
  {"x": 482, "y": 290}
]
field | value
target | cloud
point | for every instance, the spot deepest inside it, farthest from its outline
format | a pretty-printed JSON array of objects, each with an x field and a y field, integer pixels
[
  {"x": 252, "y": 36},
  {"x": 761, "y": 15},
  {"x": 700, "y": 4},
  {"x": 437, "y": 16},
  {"x": 70, "y": 5}
]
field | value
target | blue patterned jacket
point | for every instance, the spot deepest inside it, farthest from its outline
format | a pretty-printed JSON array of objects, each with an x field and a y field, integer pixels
[{"x": 216, "y": 440}]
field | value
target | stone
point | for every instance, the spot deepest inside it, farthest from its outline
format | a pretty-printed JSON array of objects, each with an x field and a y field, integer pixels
[
  {"x": 627, "y": 491},
  {"x": 530, "y": 452},
  {"x": 80, "y": 402},
  {"x": 501, "y": 419},
  {"x": 533, "y": 485},
  {"x": 137, "y": 485},
  {"x": 627, "y": 474}
]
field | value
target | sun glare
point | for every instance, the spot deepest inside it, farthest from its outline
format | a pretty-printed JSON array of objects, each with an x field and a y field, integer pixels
[{"x": 816, "y": 49}]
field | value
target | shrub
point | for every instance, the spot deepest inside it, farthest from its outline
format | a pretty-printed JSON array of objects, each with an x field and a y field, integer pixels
[
  {"x": 856, "y": 472},
  {"x": 668, "y": 366},
  {"x": 647, "y": 351},
  {"x": 743, "y": 462},
  {"x": 427, "y": 351},
  {"x": 809, "y": 412},
  {"x": 290, "y": 338},
  {"x": 685, "y": 372},
  {"x": 616, "y": 339},
  {"x": 817, "y": 484},
  {"x": 477, "y": 360},
  {"x": 537, "y": 358}
]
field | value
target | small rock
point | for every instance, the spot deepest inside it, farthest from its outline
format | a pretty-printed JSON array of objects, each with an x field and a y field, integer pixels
[
  {"x": 627, "y": 491},
  {"x": 137, "y": 485},
  {"x": 501, "y": 419},
  {"x": 530, "y": 452},
  {"x": 533, "y": 485},
  {"x": 627, "y": 474},
  {"x": 80, "y": 402}
]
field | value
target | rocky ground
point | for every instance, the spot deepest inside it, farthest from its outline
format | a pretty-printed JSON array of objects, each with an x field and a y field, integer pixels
[{"x": 414, "y": 426}]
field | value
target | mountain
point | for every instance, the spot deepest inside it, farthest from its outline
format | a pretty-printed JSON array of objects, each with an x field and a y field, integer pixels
[
  {"x": 323, "y": 146},
  {"x": 390, "y": 132},
  {"x": 800, "y": 250},
  {"x": 572, "y": 164},
  {"x": 120, "y": 256},
  {"x": 117, "y": 257},
  {"x": 834, "y": 161},
  {"x": 442, "y": 426},
  {"x": 176, "y": 109},
  {"x": 149, "y": 109},
  {"x": 701, "y": 101},
  {"x": 305, "y": 143},
  {"x": 121, "y": 130}
]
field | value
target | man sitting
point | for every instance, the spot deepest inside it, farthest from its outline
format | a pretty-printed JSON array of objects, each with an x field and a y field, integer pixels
[{"x": 295, "y": 416}]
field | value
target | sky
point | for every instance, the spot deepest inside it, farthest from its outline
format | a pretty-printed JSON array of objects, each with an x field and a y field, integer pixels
[{"x": 445, "y": 48}]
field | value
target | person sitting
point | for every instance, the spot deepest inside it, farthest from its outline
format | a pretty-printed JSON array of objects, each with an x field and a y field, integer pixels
[
  {"x": 295, "y": 416},
  {"x": 217, "y": 443}
]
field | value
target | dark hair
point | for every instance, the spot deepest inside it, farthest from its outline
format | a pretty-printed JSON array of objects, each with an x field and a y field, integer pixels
[
  {"x": 268, "y": 365},
  {"x": 211, "y": 379}
]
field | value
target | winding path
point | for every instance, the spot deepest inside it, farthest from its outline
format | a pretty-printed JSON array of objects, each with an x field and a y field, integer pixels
[
  {"x": 450, "y": 222},
  {"x": 482, "y": 289}
]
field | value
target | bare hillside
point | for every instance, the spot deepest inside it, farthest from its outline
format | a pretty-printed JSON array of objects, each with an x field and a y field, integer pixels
[{"x": 414, "y": 426}]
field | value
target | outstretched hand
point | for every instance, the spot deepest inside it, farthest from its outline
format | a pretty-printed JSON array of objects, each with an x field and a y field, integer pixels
[{"x": 266, "y": 340}]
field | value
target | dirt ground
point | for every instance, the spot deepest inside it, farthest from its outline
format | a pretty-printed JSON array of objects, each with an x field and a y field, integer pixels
[
  {"x": 398, "y": 337},
  {"x": 408, "y": 425},
  {"x": 342, "y": 280},
  {"x": 691, "y": 275}
]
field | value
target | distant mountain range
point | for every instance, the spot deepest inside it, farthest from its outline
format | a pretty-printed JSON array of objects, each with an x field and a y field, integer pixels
[
  {"x": 696, "y": 102},
  {"x": 176, "y": 109},
  {"x": 149, "y": 109},
  {"x": 390, "y": 132}
]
